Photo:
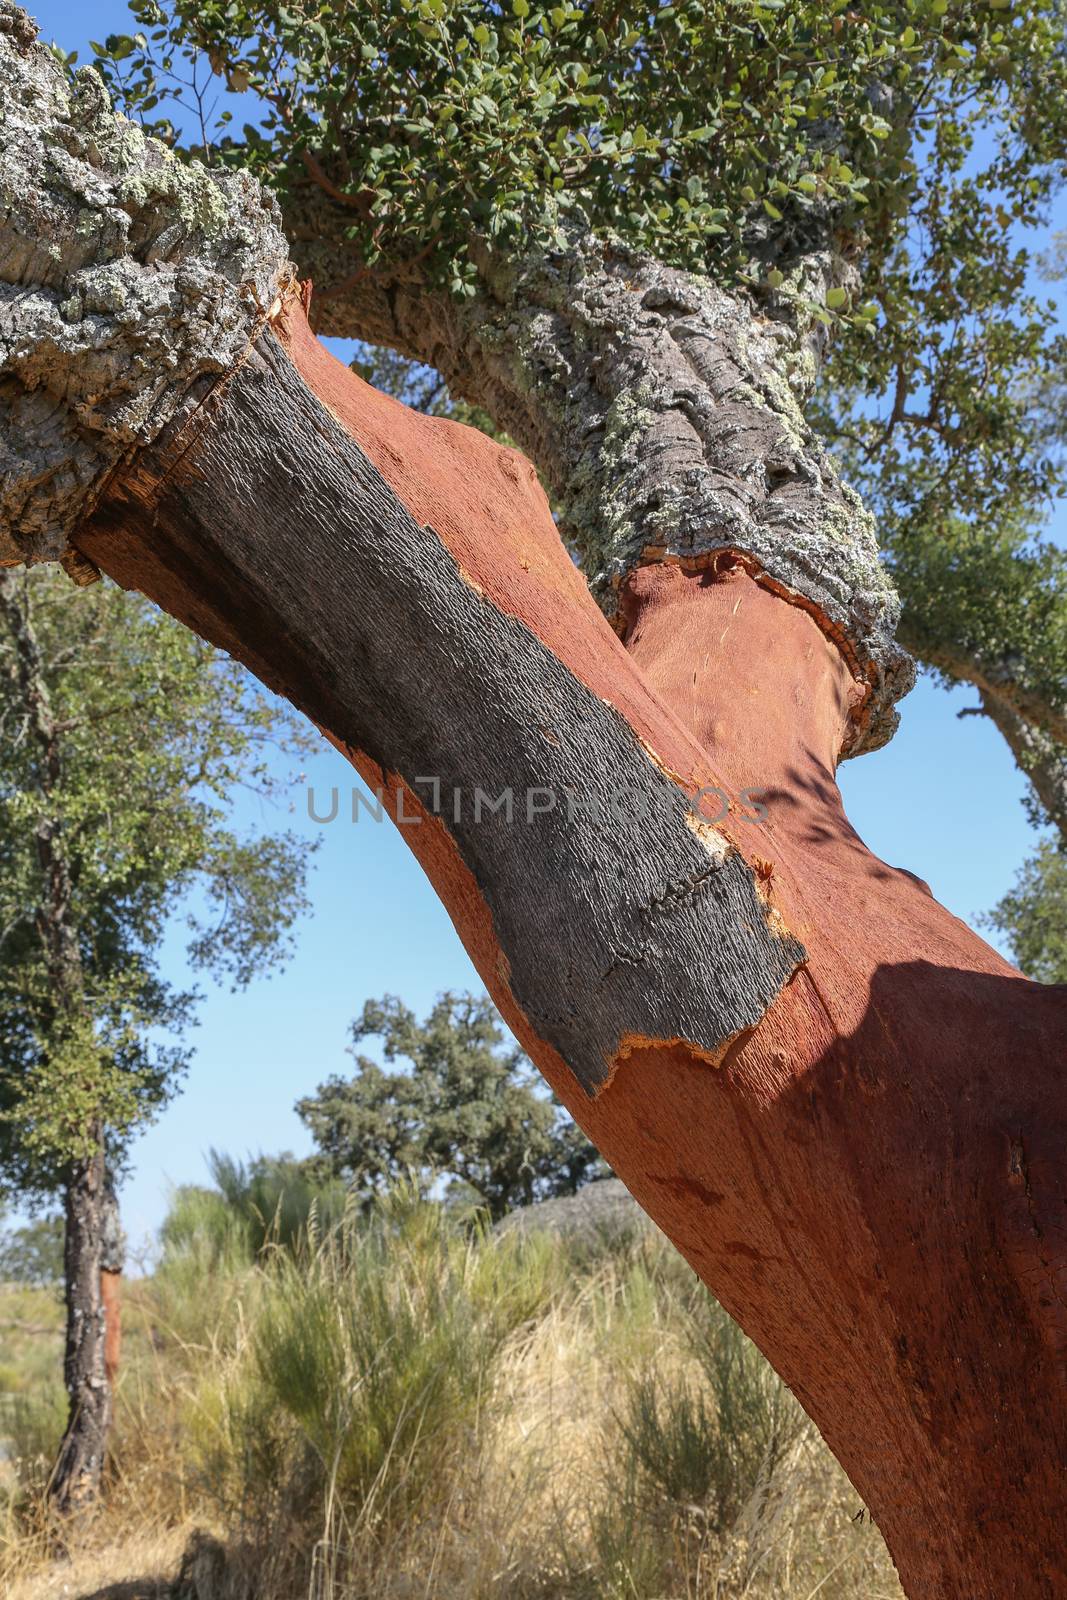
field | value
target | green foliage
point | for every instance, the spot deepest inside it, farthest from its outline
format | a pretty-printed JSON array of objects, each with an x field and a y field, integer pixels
[
  {"x": 466, "y": 1108},
  {"x": 687, "y": 129},
  {"x": 935, "y": 416},
  {"x": 271, "y": 1200},
  {"x": 32, "y": 1255},
  {"x": 153, "y": 735},
  {"x": 991, "y": 598},
  {"x": 1032, "y": 916},
  {"x": 369, "y": 1355}
]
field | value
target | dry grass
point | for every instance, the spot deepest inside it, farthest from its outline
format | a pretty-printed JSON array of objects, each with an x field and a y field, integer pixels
[
  {"x": 407, "y": 1412},
  {"x": 139, "y": 1565}
]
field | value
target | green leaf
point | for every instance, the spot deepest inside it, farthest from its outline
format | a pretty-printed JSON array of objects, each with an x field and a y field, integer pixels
[{"x": 119, "y": 46}]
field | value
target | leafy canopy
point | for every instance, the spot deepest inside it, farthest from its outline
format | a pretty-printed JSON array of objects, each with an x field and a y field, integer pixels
[
  {"x": 1033, "y": 915},
  {"x": 156, "y": 735},
  {"x": 466, "y": 1108},
  {"x": 683, "y": 128},
  {"x": 917, "y": 143}
]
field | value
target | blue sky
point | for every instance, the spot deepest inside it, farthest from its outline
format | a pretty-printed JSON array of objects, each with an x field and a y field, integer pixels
[{"x": 944, "y": 800}]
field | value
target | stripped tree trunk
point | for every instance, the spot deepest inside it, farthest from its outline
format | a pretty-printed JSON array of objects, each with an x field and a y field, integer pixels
[
  {"x": 847, "y": 1111},
  {"x": 112, "y": 1264}
]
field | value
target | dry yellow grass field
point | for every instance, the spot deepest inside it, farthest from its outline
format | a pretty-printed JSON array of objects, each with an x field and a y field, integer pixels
[{"x": 404, "y": 1409}]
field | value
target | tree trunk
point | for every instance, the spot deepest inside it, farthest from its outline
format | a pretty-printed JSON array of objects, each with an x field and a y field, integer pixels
[
  {"x": 78, "y": 1469},
  {"x": 846, "y": 1110},
  {"x": 88, "y": 1199}
]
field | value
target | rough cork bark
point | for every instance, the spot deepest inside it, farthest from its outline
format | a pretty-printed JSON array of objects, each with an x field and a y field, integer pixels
[{"x": 845, "y": 1109}]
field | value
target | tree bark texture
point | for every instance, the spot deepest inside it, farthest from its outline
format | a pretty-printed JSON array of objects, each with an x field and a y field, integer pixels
[
  {"x": 79, "y": 1467},
  {"x": 846, "y": 1110}
]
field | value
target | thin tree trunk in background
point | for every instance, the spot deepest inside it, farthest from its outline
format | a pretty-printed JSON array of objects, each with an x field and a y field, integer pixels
[{"x": 76, "y": 1479}]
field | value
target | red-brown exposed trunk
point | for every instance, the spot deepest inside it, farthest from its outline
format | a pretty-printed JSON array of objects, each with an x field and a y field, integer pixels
[
  {"x": 884, "y": 1159},
  {"x": 868, "y": 1170},
  {"x": 111, "y": 1296}
]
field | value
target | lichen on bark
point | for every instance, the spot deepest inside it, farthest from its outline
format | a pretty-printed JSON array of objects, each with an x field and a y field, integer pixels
[
  {"x": 679, "y": 429},
  {"x": 125, "y": 275},
  {"x": 665, "y": 415}
]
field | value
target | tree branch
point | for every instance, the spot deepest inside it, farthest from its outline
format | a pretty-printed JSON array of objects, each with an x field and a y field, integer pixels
[
  {"x": 1042, "y": 760},
  {"x": 996, "y": 682}
]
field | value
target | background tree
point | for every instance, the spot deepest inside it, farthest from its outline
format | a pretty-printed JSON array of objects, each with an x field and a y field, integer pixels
[
  {"x": 469, "y": 1107},
  {"x": 123, "y": 743},
  {"x": 32, "y": 1253}
]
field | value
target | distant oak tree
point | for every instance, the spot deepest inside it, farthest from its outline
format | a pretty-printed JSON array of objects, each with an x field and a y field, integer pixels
[
  {"x": 467, "y": 1106},
  {"x": 124, "y": 742}
]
